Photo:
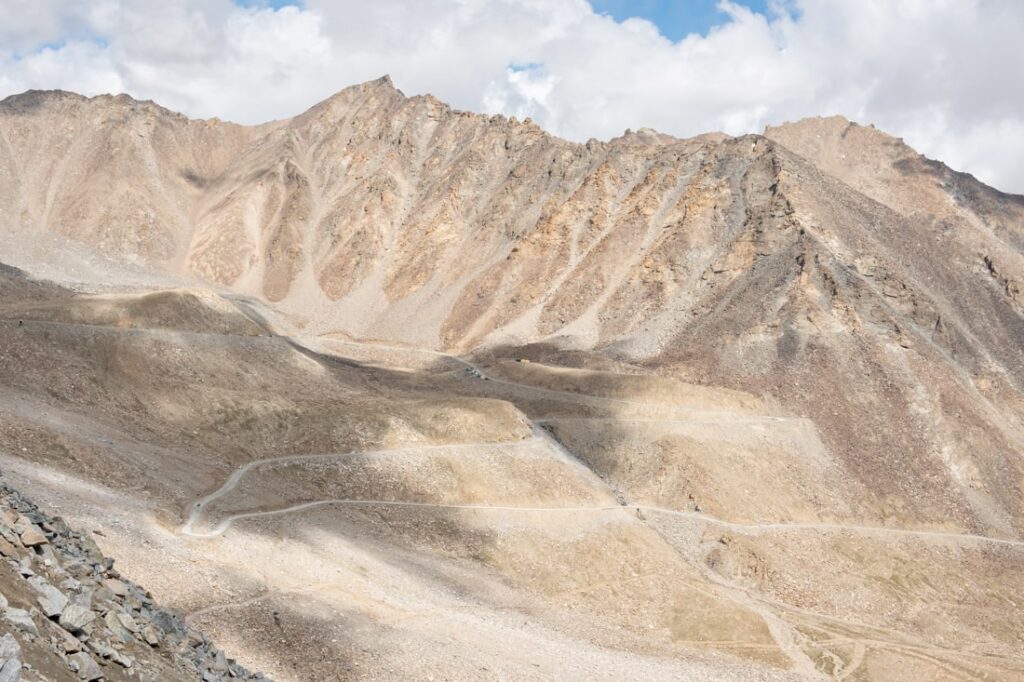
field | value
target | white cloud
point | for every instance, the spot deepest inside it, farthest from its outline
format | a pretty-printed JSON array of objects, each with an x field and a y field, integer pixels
[{"x": 943, "y": 74}]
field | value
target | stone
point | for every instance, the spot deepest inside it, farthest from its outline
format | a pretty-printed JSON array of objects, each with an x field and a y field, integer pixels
[
  {"x": 103, "y": 649},
  {"x": 7, "y": 533},
  {"x": 114, "y": 625},
  {"x": 49, "y": 557},
  {"x": 76, "y": 618},
  {"x": 220, "y": 663},
  {"x": 150, "y": 634},
  {"x": 195, "y": 638},
  {"x": 25, "y": 567},
  {"x": 11, "y": 670},
  {"x": 9, "y": 550},
  {"x": 68, "y": 642},
  {"x": 116, "y": 587},
  {"x": 22, "y": 620},
  {"x": 3, "y": 603},
  {"x": 70, "y": 584},
  {"x": 113, "y": 654},
  {"x": 86, "y": 668},
  {"x": 51, "y": 600},
  {"x": 169, "y": 622},
  {"x": 102, "y": 594},
  {"x": 9, "y": 647},
  {"x": 127, "y": 622},
  {"x": 32, "y": 536}
]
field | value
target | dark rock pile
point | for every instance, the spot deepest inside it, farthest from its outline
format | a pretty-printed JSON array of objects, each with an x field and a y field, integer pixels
[{"x": 70, "y": 614}]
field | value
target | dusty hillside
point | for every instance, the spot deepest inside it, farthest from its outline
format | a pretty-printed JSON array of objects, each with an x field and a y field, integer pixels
[
  {"x": 326, "y": 518},
  {"x": 771, "y": 421}
]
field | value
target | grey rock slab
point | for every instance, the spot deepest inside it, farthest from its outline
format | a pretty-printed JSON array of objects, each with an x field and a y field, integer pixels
[
  {"x": 76, "y": 618},
  {"x": 11, "y": 670},
  {"x": 86, "y": 668},
  {"x": 70, "y": 584},
  {"x": 22, "y": 619},
  {"x": 51, "y": 600},
  {"x": 127, "y": 622},
  {"x": 114, "y": 625},
  {"x": 9, "y": 647},
  {"x": 49, "y": 557}
]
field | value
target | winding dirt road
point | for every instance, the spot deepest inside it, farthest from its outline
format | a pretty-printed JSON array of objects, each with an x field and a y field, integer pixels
[{"x": 541, "y": 435}]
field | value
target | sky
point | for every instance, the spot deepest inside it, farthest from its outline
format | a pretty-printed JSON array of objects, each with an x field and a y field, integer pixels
[{"x": 945, "y": 75}]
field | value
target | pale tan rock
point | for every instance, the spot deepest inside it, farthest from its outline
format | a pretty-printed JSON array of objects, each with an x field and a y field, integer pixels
[{"x": 32, "y": 536}]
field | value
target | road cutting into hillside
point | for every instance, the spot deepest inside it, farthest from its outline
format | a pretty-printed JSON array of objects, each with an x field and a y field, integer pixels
[
  {"x": 224, "y": 525},
  {"x": 540, "y": 435}
]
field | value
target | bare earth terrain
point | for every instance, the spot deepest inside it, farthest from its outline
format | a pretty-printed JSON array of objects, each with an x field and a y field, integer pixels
[{"x": 391, "y": 391}]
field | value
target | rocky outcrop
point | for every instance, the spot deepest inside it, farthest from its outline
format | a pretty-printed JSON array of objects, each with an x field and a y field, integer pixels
[{"x": 69, "y": 614}]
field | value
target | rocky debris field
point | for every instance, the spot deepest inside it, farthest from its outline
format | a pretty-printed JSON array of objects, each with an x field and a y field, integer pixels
[{"x": 69, "y": 614}]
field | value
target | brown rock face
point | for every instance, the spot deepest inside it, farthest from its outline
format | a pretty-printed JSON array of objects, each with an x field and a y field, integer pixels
[{"x": 865, "y": 303}]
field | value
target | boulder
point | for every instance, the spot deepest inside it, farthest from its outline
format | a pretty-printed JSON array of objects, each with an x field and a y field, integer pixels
[
  {"x": 49, "y": 557},
  {"x": 8, "y": 550},
  {"x": 151, "y": 635},
  {"x": 127, "y": 622},
  {"x": 21, "y": 619},
  {"x": 76, "y": 618},
  {"x": 67, "y": 641},
  {"x": 220, "y": 663},
  {"x": 116, "y": 587},
  {"x": 51, "y": 600},
  {"x": 10, "y": 671},
  {"x": 114, "y": 625},
  {"x": 9, "y": 647},
  {"x": 32, "y": 536},
  {"x": 86, "y": 668}
]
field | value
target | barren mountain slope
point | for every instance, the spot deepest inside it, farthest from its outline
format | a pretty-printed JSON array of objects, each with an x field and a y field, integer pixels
[
  {"x": 433, "y": 509},
  {"x": 851, "y": 311},
  {"x": 331, "y": 520}
]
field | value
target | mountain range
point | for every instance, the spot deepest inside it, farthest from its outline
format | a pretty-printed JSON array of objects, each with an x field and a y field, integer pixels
[{"x": 411, "y": 391}]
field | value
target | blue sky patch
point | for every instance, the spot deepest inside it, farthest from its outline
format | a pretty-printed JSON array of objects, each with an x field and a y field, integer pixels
[{"x": 676, "y": 19}]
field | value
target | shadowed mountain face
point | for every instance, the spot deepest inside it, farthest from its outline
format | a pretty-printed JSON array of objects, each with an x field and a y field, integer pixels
[{"x": 863, "y": 303}]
